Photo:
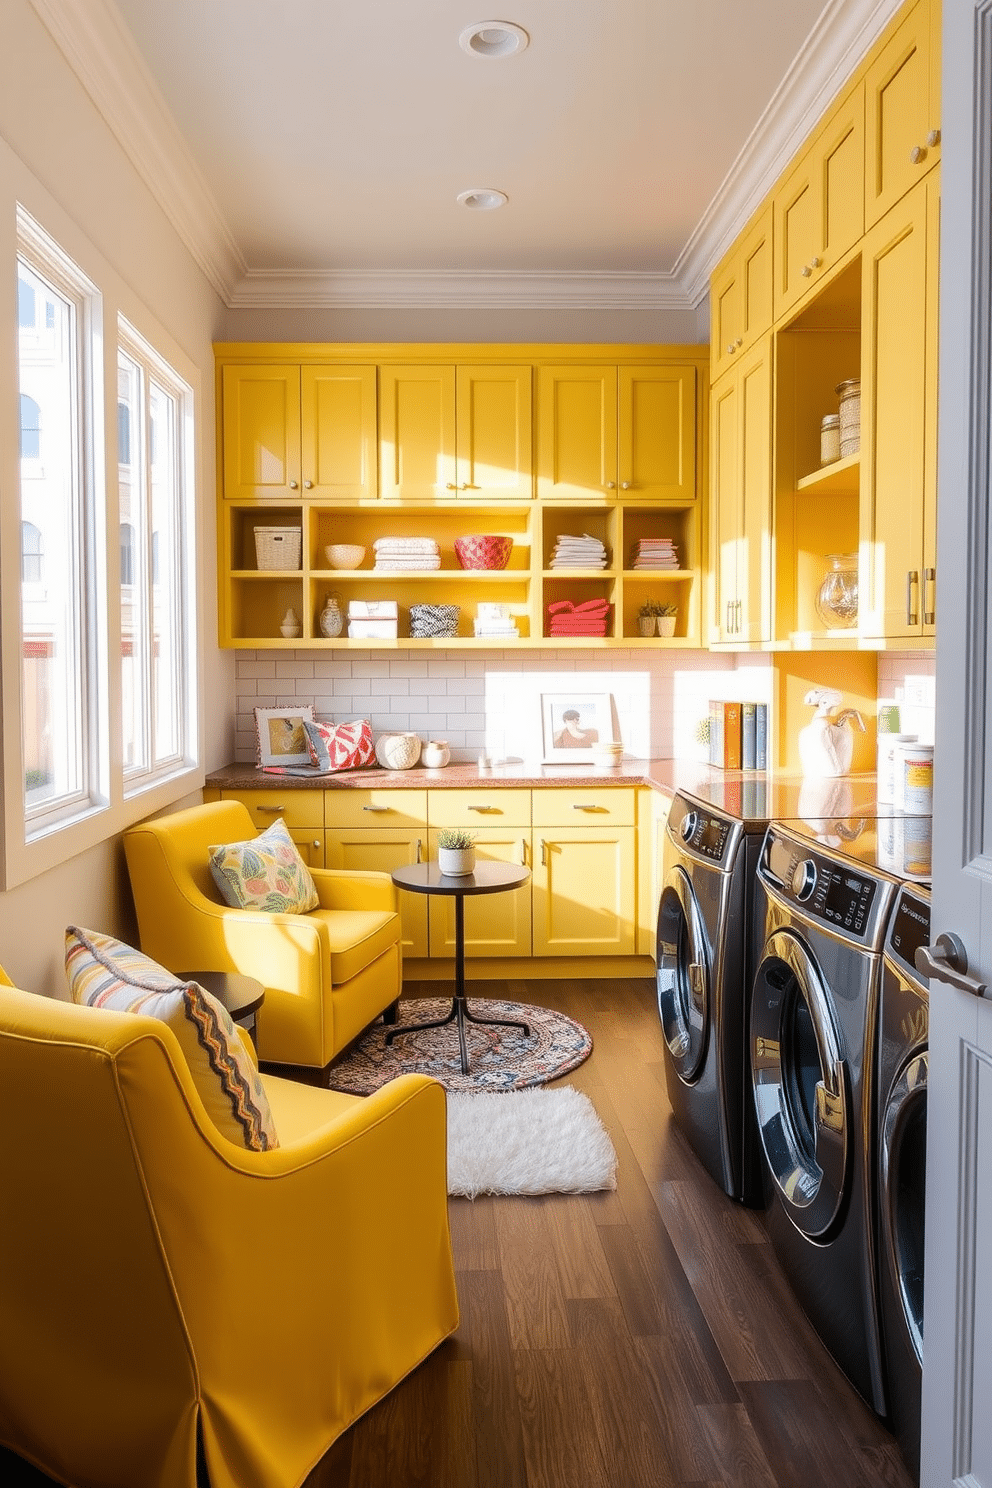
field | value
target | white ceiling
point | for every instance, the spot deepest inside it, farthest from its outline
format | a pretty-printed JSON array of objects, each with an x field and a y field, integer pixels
[{"x": 314, "y": 149}]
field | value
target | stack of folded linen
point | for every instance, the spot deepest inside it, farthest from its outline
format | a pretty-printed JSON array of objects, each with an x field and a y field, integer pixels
[
  {"x": 578, "y": 552},
  {"x": 588, "y": 619},
  {"x": 373, "y": 619},
  {"x": 493, "y": 620},
  {"x": 655, "y": 552},
  {"x": 431, "y": 621},
  {"x": 406, "y": 554}
]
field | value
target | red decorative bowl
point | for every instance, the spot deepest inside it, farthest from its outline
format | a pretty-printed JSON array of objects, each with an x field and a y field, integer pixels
[{"x": 486, "y": 551}]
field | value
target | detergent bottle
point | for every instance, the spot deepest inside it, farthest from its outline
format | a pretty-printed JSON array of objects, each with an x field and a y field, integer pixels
[{"x": 826, "y": 744}]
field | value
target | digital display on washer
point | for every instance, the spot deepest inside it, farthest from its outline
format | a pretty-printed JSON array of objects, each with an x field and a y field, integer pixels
[
  {"x": 710, "y": 836},
  {"x": 842, "y": 896},
  {"x": 910, "y": 928}
]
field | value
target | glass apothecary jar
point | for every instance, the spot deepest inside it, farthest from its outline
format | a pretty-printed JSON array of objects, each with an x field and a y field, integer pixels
[{"x": 837, "y": 597}]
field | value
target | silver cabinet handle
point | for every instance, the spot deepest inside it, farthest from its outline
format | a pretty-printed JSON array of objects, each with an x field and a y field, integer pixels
[
  {"x": 947, "y": 961},
  {"x": 308, "y": 485},
  {"x": 933, "y": 138},
  {"x": 523, "y": 852},
  {"x": 293, "y": 485},
  {"x": 420, "y": 848},
  {"x": 912, "y": 582},
  {"x": 377, "y": 808},
  {"x": 544, "y": 853},
  {"x": 916, "y": 154},
  {"x": 930, "y": 615},
  {"x": 271, "y": 810},
  {"x": 586, "y": 806},
  {"x": 485, "y": 810}
]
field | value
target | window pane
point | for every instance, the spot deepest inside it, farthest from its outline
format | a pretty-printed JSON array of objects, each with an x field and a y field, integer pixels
[
  {"x": 52, "y": 619},
  {"x": 166, "y": 620},
  {"x": 132, "y": 512}
]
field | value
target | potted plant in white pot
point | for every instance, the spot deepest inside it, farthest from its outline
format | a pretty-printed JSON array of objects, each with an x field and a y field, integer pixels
[
  {"x": 667, "y": 614},
  {"x": 455, "y": 851},
  {"x": 647, "y": 617}
]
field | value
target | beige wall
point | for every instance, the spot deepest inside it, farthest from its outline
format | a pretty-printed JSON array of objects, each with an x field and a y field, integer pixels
[{"x": 64, "y": 153}]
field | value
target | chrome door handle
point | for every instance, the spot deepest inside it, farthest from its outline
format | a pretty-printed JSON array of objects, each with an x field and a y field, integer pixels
[
  {"x": 947, "y": 961},
  {"x": 912, "y": 582},
  {"x": 930, "y": 615}
]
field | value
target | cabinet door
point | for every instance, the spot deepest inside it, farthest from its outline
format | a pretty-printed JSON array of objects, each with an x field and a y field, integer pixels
[
  {"x": 797, "y": 234},
  {"x": 495, "y": 924},
  {"x": 741, "y": 297},
  {"x": 416, "y": 433},
  {"x": 585, "y": 891},
  {"x": 657, "y": 433},
  {"x": 339, "y": 436},
  {"x": 754, "y": 380},
  {"x": 494, "y": 433},
  {"x": 893, "y": 418},
  {"x": 261, "y": 431},
  {"x": 380, "y": 850},
  {"x": 724, "y": 424},
  {"x": 898, "y": 120},
  {"x": 726, "y": 313},
  {"x": 577, "y": 432}
]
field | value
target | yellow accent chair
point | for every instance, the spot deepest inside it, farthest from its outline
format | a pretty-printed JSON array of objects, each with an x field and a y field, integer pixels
[
  {"x": 159, "y": 1283},
  {"x": 327, "y": 974}
]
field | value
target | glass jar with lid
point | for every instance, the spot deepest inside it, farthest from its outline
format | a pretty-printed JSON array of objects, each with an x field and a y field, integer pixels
[{"x": 837, "y": 597}]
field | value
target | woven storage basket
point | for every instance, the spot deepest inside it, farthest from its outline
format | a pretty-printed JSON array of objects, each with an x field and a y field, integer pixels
[{"x": 278, "y": 547}]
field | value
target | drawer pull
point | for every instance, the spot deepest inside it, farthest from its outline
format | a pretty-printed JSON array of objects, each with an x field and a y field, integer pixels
[
  {"x": 271, "y": 810},
  {"x": 912, "y": 584},
  {"x": 586, "y": 806},
  {"x": 377, "y": 808},
  {"x": 523, "y": 852},
  {"x": 420, "y": 848},
  {"x": 544, "y": 853},
  {"x": 316, "y": 842},
  {"x": 930, "y": 615},
  {"x": 486, "y": 810}
]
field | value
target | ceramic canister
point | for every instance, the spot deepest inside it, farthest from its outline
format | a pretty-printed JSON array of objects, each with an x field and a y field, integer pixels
[
  {"x": 917, "y": 773},
  {"x": 885, "y": 769}
]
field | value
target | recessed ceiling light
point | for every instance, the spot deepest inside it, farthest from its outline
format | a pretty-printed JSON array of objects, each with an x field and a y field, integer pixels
[
  {"x": 482, "y": 198},
  {"x": 493, "y": 39}
]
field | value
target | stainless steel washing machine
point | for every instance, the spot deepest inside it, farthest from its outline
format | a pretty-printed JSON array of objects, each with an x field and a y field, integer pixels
[
  {"x": 820, "y": 917},
  {"x": 902, "y": 1138},
  {"x": 702, "y": 976}
]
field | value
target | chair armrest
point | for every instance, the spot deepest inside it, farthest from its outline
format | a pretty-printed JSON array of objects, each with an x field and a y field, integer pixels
[{"x": 338, "y": 888}]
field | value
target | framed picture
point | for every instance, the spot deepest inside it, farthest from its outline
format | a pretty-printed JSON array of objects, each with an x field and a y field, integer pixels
[
  {"x": 573, "y": 722},
  {"x": 282, "y": 739}
]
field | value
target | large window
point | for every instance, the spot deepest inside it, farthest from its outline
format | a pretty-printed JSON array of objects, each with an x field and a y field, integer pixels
[
  {"x": 157, "y": 632},
  {"x": 58, "y": 312}
]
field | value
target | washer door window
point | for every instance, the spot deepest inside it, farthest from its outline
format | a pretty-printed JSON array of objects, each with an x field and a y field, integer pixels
[
  {"x": 800, "y": 1086},
  {"x": 903, "y": 1154},
  {"x": 683, "y": 977}
]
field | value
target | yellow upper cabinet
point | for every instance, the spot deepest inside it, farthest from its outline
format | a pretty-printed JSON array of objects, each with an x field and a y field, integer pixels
[
  {"x": 741, "y": 434},
  {"x": 609, "y": 431},
  {"x": 741, "y": 294},
  {"x": 292, "y": 432},
  {"x": 449, "y": 431},
  {"x": 819, "y": 206},
  {"x": 902, "y": 110}
]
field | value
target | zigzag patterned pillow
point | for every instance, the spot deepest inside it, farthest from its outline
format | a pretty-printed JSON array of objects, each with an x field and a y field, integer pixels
[
  {"x": 266, "y": 873},
  {"x": 106, "y": 973},
  {"x": 340, "y": 746}
]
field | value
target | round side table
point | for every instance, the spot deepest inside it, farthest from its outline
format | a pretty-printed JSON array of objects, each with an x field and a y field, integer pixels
[{"x": 488, "y": 878}]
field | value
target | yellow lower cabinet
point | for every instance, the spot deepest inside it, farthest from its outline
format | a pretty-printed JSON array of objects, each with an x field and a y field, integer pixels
[
  {"x": 301, "y": 810},
  {"x": 495, "y": 924},
  {"x": 585, "y": 871},
  {"x": 380, "y": 850}
]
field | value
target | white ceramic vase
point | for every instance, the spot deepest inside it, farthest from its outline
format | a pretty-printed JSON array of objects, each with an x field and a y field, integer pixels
[
  {"x": 456, "y": 861},
  {"x": 398, "y": 751}
]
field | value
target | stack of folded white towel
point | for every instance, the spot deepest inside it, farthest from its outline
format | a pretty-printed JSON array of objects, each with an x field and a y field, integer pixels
[
  {"x": 405, "y": 554},
  {"x": 493, "y": 620},
  {"x": 578, "y": 552}
]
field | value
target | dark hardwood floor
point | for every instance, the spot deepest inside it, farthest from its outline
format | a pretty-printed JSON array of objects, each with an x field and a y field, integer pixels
[{"x": 637, "y": 1339}]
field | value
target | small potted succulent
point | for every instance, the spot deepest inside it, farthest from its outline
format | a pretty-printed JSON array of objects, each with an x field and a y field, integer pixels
[
  {"x": 455, "y": 851},
  {"x": 667, "y": 614},
  {"x": 647, "y": 616}
]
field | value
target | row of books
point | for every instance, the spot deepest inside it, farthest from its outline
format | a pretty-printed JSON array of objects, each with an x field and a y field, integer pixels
[{"x": 738, "y": 735}]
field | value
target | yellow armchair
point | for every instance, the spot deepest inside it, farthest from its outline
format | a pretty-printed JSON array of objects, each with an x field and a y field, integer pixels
[
  {"x": 157, "y": 1281},
  {"x": 327, "y": 974}
]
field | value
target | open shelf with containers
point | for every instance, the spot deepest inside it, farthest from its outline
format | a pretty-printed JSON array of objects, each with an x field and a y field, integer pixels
[
  {"x": 679, "y": 586},
  {"x": 253, "y": 596},
  {"x": 817, "y": 507}
]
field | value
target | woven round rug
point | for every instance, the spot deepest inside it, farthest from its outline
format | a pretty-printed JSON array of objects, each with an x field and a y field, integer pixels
[{"x": 499, "y": 1058}]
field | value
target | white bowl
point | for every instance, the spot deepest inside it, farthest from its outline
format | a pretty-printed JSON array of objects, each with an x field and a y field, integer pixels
[{"x": 345, "y": 555}]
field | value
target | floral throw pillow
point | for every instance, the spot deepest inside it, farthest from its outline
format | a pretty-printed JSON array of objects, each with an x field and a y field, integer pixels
[
  {"x": 266, "y": 873},
  {"x": 340, "y": 746},
  {"x": 105, "y": 973}
]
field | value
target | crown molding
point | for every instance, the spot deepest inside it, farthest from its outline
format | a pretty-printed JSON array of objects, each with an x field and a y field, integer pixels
[
  {"x": 101, "y": 51},
  {"x": 99, "y": 48},
  {"x": 837, "y": 44},
  {"x": 496, "y": 289}
]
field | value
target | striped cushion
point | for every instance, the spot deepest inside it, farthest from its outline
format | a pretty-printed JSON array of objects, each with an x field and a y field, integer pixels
[
  {"x": 106, "y": 973},
  {"x": 266, "y": 873}
]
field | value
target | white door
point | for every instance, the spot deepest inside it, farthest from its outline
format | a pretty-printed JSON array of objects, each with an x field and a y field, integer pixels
[{"x": 957, "y": 1372}]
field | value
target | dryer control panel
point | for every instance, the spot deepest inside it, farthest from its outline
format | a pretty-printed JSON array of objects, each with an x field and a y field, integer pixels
[
  {"x": 706, "y": 834},
  {"x": 838, "y": 893}
]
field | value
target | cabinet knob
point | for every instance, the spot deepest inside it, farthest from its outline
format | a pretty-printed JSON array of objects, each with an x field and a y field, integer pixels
[
  {"x": 806, "y": 271},
  {"x": 731, "y": 348},
  {"x": 293, "y": 485},
  {"x": 308, "y": 485},
  {"x": 933, "y": 138},
  {"x": 815, "y": 263},
  {"x": 625, "y": 485},
  {"x": 611, "y": 485},
  {"x": 316, "y": 842},
  {"x": 916, "y": 154},
  {"x": 738, "y": 343}
]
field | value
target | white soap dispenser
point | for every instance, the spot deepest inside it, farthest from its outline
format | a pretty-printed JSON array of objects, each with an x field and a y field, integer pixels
[{"x": 826, "y": 746}]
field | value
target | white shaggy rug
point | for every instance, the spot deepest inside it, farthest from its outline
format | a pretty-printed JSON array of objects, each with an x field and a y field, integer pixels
[{"x": 527, "y": 1142}]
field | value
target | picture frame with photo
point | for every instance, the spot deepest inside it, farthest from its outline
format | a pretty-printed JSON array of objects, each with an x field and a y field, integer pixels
[
  {"x": 572, "y": 723},
  {"x": 281, "y": 737}
]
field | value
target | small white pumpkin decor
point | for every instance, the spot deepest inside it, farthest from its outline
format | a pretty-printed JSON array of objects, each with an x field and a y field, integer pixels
[
  {"x": 455, "y": 852},
  {"x": 398, "y": 751}
]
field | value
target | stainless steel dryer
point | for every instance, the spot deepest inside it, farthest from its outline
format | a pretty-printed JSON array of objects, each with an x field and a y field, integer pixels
[
  {"x": 702, "y": 976},
  {"x": 902, "y": 1139},
  {"x": 820, "y": 919}
]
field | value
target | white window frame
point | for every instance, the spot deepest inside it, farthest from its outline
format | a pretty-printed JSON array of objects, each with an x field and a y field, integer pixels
[{"x": 154, "y": 367}]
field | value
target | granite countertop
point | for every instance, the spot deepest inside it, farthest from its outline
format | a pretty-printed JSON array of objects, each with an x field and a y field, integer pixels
[{"x": 748, "y": 795}]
